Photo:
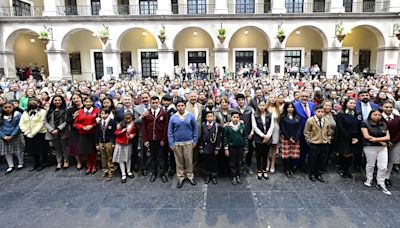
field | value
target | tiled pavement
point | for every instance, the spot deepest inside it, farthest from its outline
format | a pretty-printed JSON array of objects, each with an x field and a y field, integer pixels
[{"x": 70, "y": 199}]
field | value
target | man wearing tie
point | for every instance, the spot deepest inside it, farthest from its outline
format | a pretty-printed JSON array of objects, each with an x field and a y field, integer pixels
[
  {"x": 196, "y": 109},
  {"x": 363, "y": 105},
  {"x": 13, "y": 94},
  {"x": 259, "y": 97},
  {"x": 304, "y": 109},
  {"x": 139, "y": 112}
]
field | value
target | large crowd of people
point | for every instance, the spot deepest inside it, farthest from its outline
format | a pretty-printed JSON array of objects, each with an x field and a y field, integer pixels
[{"x": 210, "y": 128}]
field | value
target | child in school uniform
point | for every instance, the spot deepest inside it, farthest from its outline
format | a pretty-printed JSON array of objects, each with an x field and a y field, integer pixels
[
  {"x": 105, "y": 141},
  {"x": 123, "y": 145},
  {"x": 317, "y": 133},
  {"x": 210, "y": 144},
  {"x": 235, "y": 144}
]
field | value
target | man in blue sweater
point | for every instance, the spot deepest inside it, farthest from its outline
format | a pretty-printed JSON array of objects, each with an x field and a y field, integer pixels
[{"x": 182, "y": 138}]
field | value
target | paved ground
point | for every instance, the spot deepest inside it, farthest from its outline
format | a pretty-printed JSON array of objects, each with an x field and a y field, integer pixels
[{"x": 70, "y": 199}]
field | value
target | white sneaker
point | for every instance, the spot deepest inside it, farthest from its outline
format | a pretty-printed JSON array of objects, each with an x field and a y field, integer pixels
[
  {"x": 367, "y": 183},
  {"x": 383, "y": 189}
]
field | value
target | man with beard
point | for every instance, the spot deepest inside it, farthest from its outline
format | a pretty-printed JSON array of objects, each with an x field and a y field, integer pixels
[
  {"x": 209, "y": 107},
  {"x": 259, "y": 97},
  {"x": 364, "y": 105},
  {"x": 194, "y": 107}
]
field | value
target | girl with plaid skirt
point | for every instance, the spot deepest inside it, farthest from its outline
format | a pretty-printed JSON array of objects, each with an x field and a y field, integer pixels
[
  {"x": 123, "y": 145},
  {"x": 12, "y": 141},
  {"x": 290, "y": 134}
]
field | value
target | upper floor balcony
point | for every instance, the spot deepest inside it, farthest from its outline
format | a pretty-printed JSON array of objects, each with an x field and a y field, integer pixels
[{"x": 23, "y": 8}]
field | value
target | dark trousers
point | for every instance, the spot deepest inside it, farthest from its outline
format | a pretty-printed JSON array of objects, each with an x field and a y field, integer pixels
[
  {"x": 358, "y": 160},
  {"x": 139, "y": 154},
  {"x": 157, "y": 158},
  {"x": 209, "y": 161},
  {"x": 36, "y": 148},
  {"x": 235, "y": 160},
  {"x": 315, "y": 156},
  {"x": 169, "y": 158},
  {"x": 249, "y": 154},
  {"x": 262, "y": 150}
]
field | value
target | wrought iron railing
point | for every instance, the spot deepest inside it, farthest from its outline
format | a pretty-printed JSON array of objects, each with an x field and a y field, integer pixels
[
  {"x": 367, "y": 7},
  {"x": 135, "y": 9},
  {"x": 82, "y": 10},
  {"x": 16, "y": 11},
  {"x": 192, "y": 9},
  {"x": 258, "y": 8},
  {"x": 313, "y": 7}
]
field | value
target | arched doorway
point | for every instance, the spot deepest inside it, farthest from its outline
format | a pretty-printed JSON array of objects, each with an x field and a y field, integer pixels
[
  {"x": 248, "y": 47},
  {"x": 84, "y": 54},
  {"x": 139, "y": 49}
]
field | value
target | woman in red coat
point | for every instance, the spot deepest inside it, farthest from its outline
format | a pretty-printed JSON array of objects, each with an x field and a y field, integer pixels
[{"x": 85, "y": 123}]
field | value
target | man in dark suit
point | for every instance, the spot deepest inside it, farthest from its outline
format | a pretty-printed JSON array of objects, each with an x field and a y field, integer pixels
[
  {"x": 363, "y": 104},
  {"x": 167, "y": 105},
  {"x": 14, "y": 94},
  {"x": 140, "y": 111},
  {"x": 127, "y": 106},
  {"x": 154, "y": 129},
  {"x": 259, "y": 97},
  {"x": 304, "y": 109}
]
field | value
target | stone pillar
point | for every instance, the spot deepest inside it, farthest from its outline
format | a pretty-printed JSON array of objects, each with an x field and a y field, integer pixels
[
  {"x": 331, "y": 59},
  {"x": 50, "y": 8},
  {"x": 7, "y": 62},
  {"x": 336, "y": 6},
  {"x": 221, "y": 7},
  {"x": 164, "y": 7},
  {"x": 386, "y": 56},
  {"x": 277, "y": 60},
  {"x": 166, "y": 62},
  {"x": 58, "y": 63},
  {"x": 394, "y": 6},
  {"x": 112, "y": 61},
  {"x": 107, "y": 7},
  {"x": 221, "y": 57},
  {"x": 278, "y": 6}
]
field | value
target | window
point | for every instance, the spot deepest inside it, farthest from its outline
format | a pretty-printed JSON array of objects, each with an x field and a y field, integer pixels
[
  {"x": 197, "y": 58},
  {"x": 243, "y": 58},
  {"x": 196, "y": 7},
  {"x": 348, "y": 5},
  {"x": 149, "y": 64},
  {"x": 148, "y": 6},
  {"x": 174, "y": 6},
  {"x": 75, "y": 63},
  {"x": 70, "y": 7},
  {"x": 126, "y": 61},
  {"x": 21, "y": 8},
  {"x": 345, "y": 58},
  {"x": 244, "y": 6},
  {"x": 293, "y": 57},
  {"x": 98, "y": 65},
  {"x": 294, "y": 6},
  {"x": 369, "y": 6},
  {"x": 95, "y": 7},
  {"x": 319, "y": 6},
  {"x": 123, "y": 7}
]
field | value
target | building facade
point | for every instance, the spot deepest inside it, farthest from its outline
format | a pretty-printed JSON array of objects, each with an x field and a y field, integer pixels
[{"x": 73, "y": 48}]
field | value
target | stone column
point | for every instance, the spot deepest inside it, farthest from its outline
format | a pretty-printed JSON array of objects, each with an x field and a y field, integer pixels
[
  {"x": 278, "y": 6},
  {"x": 112, "y": 62},
  {"x": 221, "y": 7},
  {"x": 387, "y": 56},
  {"x": 58, "y": 63},
  {"x": 394, "y": 6},
  {"x": 166, "y": 62},
  {"x": 7, "y": 62},
  {"x": 336, "y": 6},
  {"x": 107, "y": 7},
  {"x": 277, "y": 61},
  {"x": 50, "y": 8},
  {"x": 331, "y": 59},
  {"x": 164, "y": 7}
]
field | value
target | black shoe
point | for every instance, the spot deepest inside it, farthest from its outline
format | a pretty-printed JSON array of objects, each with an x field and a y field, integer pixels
[
  {"x": 388, "y": 183},
  {"x": 287, "y": 172},
  {"x": 234, "y": 181},
  {"x": 342, "y": 173},
  {"x": 265, "y": 175},
  {"x": 40, "y": 168},
  {"x": 214, "y": 180},
  {"x": 20, "y": 167},
  {"x": 164, "y": 178},
  {"x": 9, "y": 170},
  {"x": 259, "y": 175},
  {"x": 180, "y": 184},
  {"x": 144, "y": 172},
  {"x": 348, "y": 174},
  {"x": 320, "y": 179},
  {"x": 312, "y": 177},
  {"x": 130, "y": 175},
  {"x": 171, "y": 173},
  {"x": 123, "y": 180},
  {"x": 396, "y": 168},
  {"x": 238, "y": 180},
  {"x": 207, "y": 180},
  {"x": 153, "y": 178},
  {"x": 33, "y": 168},
  {"x": 192, "y": 181},
  {"x": 57, "y": 169}
]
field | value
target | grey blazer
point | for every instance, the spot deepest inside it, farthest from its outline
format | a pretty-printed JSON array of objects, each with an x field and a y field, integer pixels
[{"x": 50, "y": 126}]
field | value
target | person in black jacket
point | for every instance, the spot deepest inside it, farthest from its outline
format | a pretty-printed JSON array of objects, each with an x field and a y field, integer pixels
[
  {"x": 290, "y": 134},
  {"x": 105, "y": 142},
  {"x": 166, "y": 103},
  {"x": 210, "y": 144}
]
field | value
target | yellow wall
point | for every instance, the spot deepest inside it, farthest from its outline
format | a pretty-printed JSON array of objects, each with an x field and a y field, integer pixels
[
  {"x": 186, "y": 39},
  {"x": 309, "y": 39},
  {"x": 254, "y": 39},
  {"x": 134, "y": 40},
  {"x": 83, "y": 41},
  {"x": 362, "y": 38},
  {"x": 28, "y": 53}
]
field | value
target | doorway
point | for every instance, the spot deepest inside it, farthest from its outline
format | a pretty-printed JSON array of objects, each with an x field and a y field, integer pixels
[
  {"x": 316, "y": 57},
  {"x": 98, "y": 65},
  {"x": 243, "y": 58},
  {"x": 149, "y": 64},
  {"x": 364, "y": 60}
]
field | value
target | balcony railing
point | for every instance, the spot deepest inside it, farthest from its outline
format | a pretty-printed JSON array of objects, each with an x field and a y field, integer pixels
[
  {"x": 192, "y": 9},
  {"x": 14, "y": 11},
  {"x": 135, "y": 9},
  {"x": 313, "y": 7},
  {"x": 259, "y": 8},
  {"x": 83, "y": 10},
  {"x": 367, "y": 7}
]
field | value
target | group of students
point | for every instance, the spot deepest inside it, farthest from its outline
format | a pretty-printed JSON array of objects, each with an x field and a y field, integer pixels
[{"x": 186, "y": 135}]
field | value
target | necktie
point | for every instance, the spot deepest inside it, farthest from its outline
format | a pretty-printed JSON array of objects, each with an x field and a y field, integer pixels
[
  {"x": 320, "y": 123},
  {"x": 154, "y": 113},
  {"x": 389, "y": 119},
  {"x": 15, "y": 96},
  {"x": 104, "y": 125},
  {"x": 209, "y": 126},
  {"x": 307, "y": 110},
  {"x": 32, "y": 113}
]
